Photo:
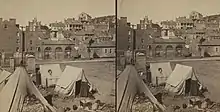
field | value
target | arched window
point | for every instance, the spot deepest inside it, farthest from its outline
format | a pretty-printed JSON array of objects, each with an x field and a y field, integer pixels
[
  {"x": 47, "y": 53},
  {"x": 58, "y": 52},
  {"x": 68, "y": 52},
  {"x": 158, "y": 51}
]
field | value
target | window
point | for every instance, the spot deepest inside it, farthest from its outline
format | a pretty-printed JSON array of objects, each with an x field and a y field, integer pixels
[
  {"x": 110, "y": 51},
  {"x": 142, "y": 40},
  {"x": 6, "y": 26},
  {"x": 216, "y": 49},
  {"x": 105, "y": 50},
  {"x": 31, "y": 42},
  {"x": 18, "y": 34},
  {"x": 17, "y": 49},
  {"x": 17, "y": 41},
  {"x": 31, "y": 48}
]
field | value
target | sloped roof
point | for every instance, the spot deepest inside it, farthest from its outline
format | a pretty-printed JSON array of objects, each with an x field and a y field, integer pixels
[
  {"x": 57, "y": 24},
  {"x": 214, "y": 42},
  {"x": 104, "y": 44},
  {"x": 72, "y": 21},
  {"x": 60, "y": 42},
  {"x": 171, "y": 40}
]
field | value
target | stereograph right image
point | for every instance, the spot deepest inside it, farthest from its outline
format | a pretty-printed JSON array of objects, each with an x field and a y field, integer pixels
[{"x": 167, "y": 56}]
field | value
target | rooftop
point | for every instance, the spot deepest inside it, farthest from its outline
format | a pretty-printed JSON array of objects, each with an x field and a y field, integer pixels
[
  {"x": 57, "y": 24},
  {"x": 104, "y": 44},
  {"x": 214, "y": 42},
  {"x": 171, "y": 40}
]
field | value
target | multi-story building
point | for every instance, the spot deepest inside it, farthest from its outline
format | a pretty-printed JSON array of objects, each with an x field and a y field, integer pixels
[
  {"x": 195, "y": 15},
  {"x": 56, "y": 50},
  {"x": 73, "y": 25},
  {"x": 184, "y": 23},
  {"x": 166, "y": 48},
  {"x": 84, "y": 17},
  {"x": 10, "y": 36},
  {"x": 34, "y": 25},
  {"x": 57, "y": 26},
  {"x": 123, "y": 35},
  {"x": 168, "y": 24}
]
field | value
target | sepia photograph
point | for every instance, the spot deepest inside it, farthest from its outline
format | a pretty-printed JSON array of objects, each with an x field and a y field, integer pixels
[
  {"x": 57, "y": 56},
  {"x": 168, "y": 56}
]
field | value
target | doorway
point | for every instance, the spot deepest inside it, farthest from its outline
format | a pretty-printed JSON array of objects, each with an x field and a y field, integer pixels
[{"x": 78, "y": 87}]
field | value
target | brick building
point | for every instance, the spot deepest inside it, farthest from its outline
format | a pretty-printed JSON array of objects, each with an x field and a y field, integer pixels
[
  {"x": 10, "y": 37},
  {"x": 123, "y": 35}
]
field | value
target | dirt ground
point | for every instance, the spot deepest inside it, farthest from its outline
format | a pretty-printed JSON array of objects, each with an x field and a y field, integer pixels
[
  {"x": 101, "y": 75},
  {"x": 208, "y": 73}
]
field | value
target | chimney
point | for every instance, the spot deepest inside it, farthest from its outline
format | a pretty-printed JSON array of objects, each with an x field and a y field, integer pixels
[
  {"x": 12, "y": 21},
  {"x": 1, "y": 20},
  {"x": 125, "y": 19}
]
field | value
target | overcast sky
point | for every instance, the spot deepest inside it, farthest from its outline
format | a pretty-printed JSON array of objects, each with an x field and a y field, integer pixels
[
  {"x": 52, "y": 10},
  {"x": 165, "y": 9}
]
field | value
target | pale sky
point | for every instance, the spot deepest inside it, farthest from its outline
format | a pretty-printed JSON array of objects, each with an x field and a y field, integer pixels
[
  {"x": 165, "y": 9},
  {"x": 53, "y": 10}
]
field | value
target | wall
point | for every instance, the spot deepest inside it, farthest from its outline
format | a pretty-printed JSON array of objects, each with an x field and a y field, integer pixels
[
  {"x": 9, "y": 35},
  {"x": 60, "y": 55},
  {"x": 212, "y": 50},
  {"x": 104, "y": 52}
]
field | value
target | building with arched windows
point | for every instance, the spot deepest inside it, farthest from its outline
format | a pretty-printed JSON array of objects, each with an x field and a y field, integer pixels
[
  {"x": 56, "y": 50},
  {"x": 166, "y": 48}
]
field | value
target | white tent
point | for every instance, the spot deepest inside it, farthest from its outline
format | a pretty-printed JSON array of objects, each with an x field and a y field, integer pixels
[
  {"x": 161, "y": 76},
  {"x": 50, "y": 79},
  {"x": 67, "y": 84},
  {"x": 4, "y": 76},
  {"x": 13, "y": 94},
  {"x": 183, "y": 81}
]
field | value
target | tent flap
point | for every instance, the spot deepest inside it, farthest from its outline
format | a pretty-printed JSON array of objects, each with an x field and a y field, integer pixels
[
  {"x": 128, "y": 85},
  {"x": 17, "y": 88}
]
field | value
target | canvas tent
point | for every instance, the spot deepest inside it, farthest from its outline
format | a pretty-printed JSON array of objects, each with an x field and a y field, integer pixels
[
  {"x": 158, "y": 77},
  {"x": 128, "y": 85},
  {"x": 72, "y": 82},
  {"x": 183, "y": 80},
  {"x": 4, "y": 76},
  {"x": 48, "y": 79},
  {"x": 17, "y": 88}
]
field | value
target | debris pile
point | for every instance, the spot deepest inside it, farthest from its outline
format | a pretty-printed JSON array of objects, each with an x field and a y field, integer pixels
[
  {"x": 143, "y": 104},
  {"x": 195, "y": 105},
  {"x": 31, "y": 104}
]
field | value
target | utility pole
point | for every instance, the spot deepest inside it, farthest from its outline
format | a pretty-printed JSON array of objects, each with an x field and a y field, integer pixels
[
  {"x": 23, "y": 45},
  {"x": 134, "y": 47}
]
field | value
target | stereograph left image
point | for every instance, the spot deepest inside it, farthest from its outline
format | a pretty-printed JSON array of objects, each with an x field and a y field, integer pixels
[{"x": 57, "y": 56}]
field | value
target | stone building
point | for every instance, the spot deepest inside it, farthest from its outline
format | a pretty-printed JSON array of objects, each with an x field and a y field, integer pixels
[
  {"x": 166, "y": 48},
  {"x": 103, "y": 49},
  {"x": 210, "y": 48},
  {"x": 73, "y": 25},
  {"x": 56, "y": 50},
  {"x": 34, "y": 25},
  {"x": 184, "y": 23}
]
